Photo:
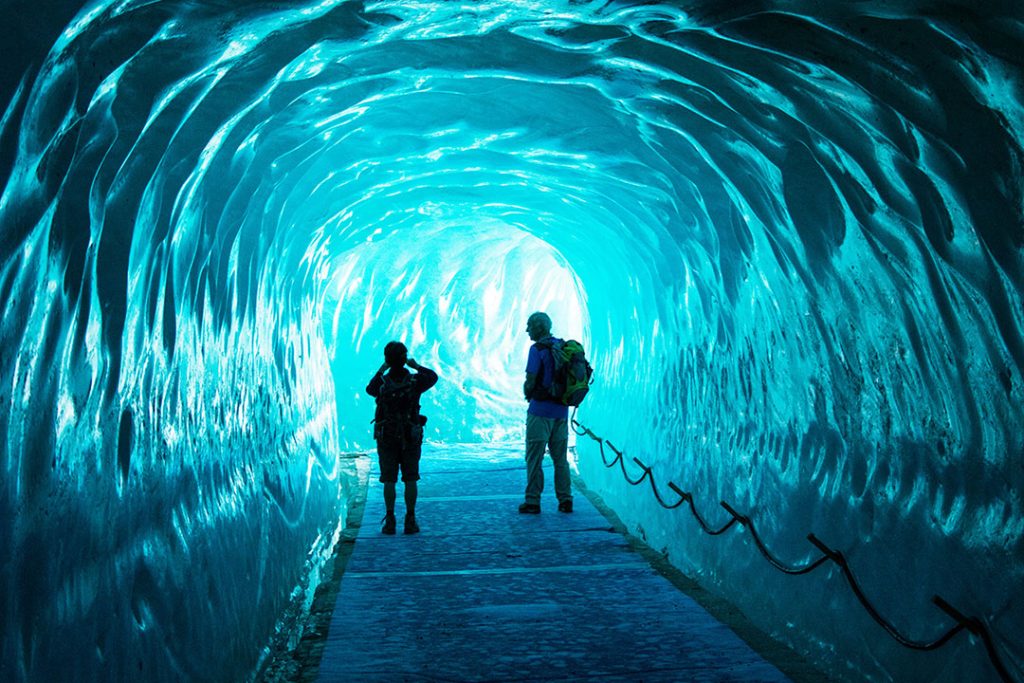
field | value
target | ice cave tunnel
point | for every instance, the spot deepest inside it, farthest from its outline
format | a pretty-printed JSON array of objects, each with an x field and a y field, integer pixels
[{"x": 788, "y": 233}]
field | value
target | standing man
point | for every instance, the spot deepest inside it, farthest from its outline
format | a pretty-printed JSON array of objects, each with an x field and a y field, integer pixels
[
  {"x": 547, "y": 420},
  {"x": 398, "y": 429}
]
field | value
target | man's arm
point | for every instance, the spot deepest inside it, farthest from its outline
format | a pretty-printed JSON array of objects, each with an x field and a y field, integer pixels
[
  {"x": 530, "y": 385},
  {"x": 532, "y": 372},
  {"x": 425, "y": 377},
  {"x": 373, "y": 388}
]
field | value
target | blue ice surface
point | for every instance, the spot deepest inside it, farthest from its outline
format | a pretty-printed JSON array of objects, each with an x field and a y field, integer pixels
[{"x": 790, "y": 241}]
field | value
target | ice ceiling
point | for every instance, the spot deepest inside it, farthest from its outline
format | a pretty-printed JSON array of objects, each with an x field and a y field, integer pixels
[{"x": 788, "y": 233}]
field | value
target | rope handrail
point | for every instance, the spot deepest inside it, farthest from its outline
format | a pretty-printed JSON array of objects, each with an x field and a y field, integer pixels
[{"x": 972, "y": 625}]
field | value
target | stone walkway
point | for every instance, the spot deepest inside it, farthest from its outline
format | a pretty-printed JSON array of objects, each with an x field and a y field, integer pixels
[{"x": 486, "y": 594}]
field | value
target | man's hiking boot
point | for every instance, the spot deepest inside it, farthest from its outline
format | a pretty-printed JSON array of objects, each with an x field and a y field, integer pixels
[
  {"x": 388, "y": 527},
  {"x": 565, "y": 505},
  {"x": 529, "y": 509},
  {"x": 411, "y": 527}
]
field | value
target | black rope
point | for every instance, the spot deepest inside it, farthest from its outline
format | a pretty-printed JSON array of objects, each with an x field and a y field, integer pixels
[
  {"x": 973, "y": 625},
  {"x": 654, "y": 489},
  {"x": 976, "y": 627},
  {"x": 772, "y": 560},
  {"x": 840, "y": 559},
  {"x": 696, "y": 515}
]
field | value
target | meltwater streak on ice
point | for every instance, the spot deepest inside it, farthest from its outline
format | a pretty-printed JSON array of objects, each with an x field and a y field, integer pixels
[{"x": 796, "y": 238}]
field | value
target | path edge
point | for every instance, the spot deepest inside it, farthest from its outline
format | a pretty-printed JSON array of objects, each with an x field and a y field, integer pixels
[
  {"x": 302, "y": 664},
  {"x": 775, "y": 652}
]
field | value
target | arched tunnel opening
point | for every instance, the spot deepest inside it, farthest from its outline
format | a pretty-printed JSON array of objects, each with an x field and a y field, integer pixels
[{"x": 788, "y": 234}]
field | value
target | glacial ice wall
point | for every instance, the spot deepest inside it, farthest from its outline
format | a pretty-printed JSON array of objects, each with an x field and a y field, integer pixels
[{"x": 789, "y": 235}]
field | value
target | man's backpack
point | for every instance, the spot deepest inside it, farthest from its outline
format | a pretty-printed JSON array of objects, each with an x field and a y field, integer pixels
[
  {"x": 571, "y": 380},
  {"x": 397, "y": 396},
  {"x": 397, "y": 413}
]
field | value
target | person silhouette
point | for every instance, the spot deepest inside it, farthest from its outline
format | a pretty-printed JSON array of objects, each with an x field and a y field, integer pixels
[
  {"x": 398, "y": 429},
  {"x": 547, "y": 420}
]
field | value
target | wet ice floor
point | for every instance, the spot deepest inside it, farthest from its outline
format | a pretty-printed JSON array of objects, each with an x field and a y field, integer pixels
[{"x": 484, "y": 593}]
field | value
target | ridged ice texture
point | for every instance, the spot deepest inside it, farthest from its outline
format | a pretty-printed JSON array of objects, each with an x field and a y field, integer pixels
[{"x": 790, "y": 240}]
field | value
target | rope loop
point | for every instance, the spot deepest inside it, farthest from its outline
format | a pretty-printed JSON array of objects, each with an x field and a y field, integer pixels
[{"x": 972, "y": 625}]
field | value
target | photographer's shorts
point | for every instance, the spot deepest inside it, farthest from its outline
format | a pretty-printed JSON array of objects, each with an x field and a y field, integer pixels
[{"x": 394, "y": 455}]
